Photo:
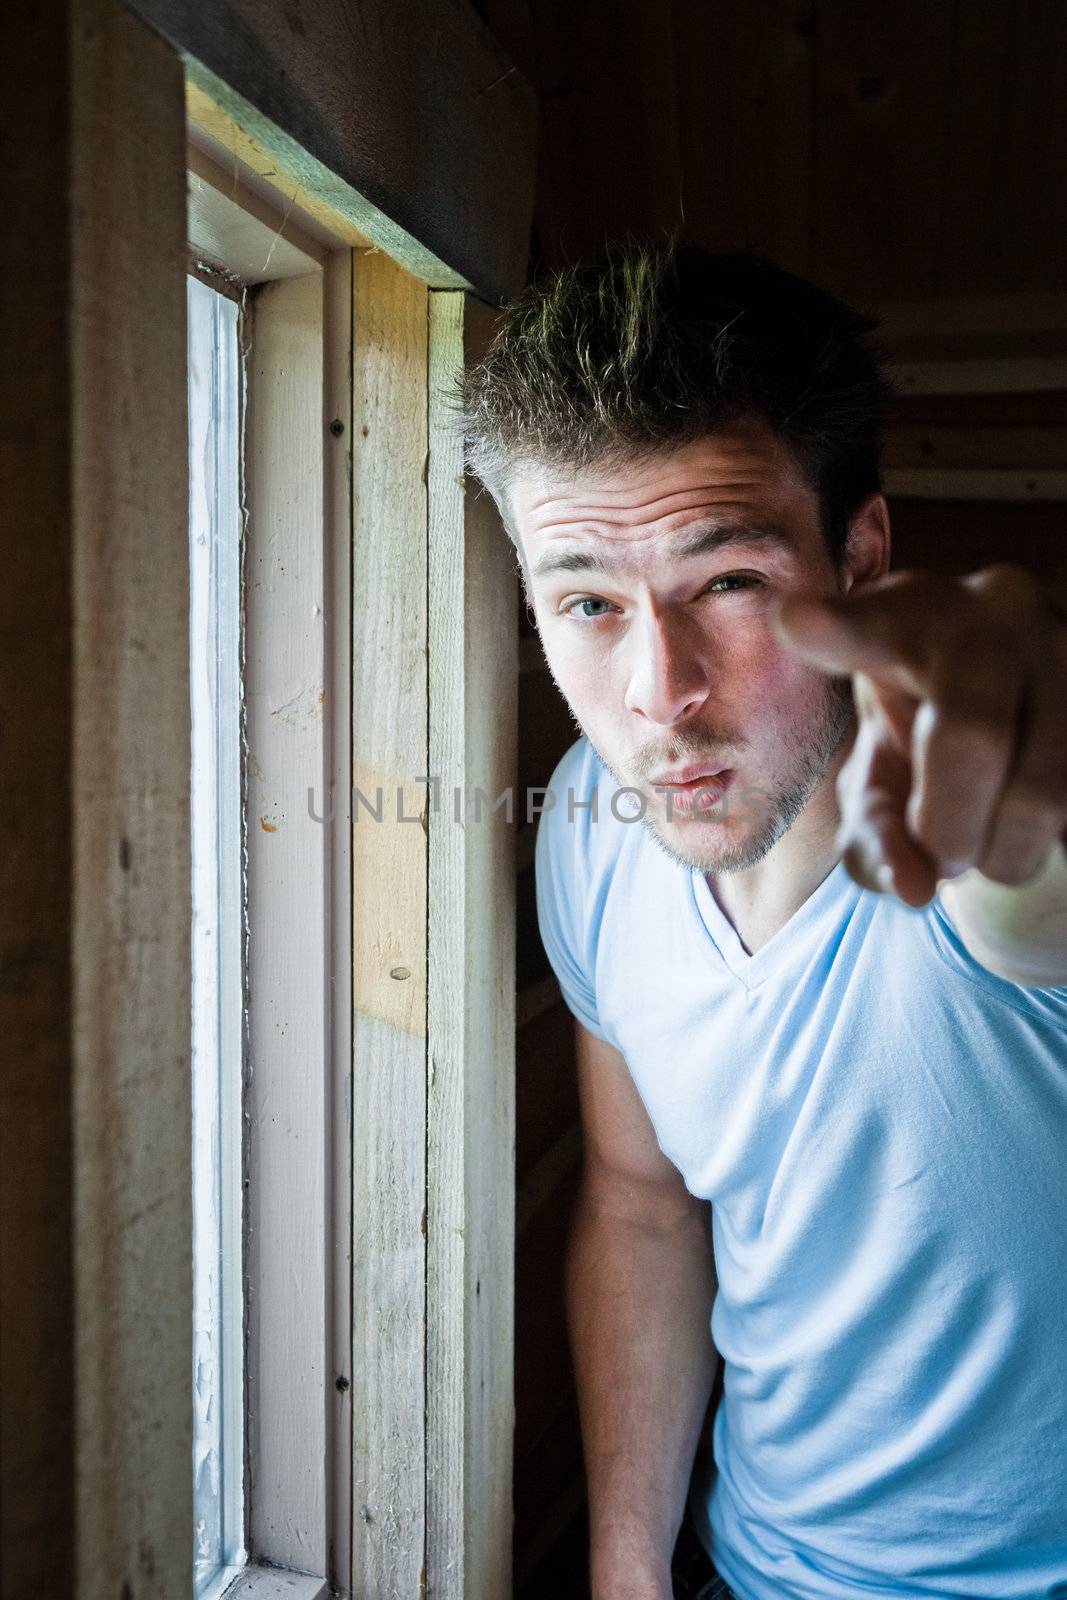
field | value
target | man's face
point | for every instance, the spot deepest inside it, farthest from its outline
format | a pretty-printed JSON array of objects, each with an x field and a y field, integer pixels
[{"x": 650, "y": 583}]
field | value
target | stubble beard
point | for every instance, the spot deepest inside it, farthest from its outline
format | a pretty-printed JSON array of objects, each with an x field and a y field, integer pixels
[{"x": 775, "y": 807}]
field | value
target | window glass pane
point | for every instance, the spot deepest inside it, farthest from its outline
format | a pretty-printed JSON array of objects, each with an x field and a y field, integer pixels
[{"x": 215, "y": 695}]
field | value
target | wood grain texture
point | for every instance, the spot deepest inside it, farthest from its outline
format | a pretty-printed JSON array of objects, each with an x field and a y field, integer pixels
[
  {"x": 1006, "y": 148},
  {"x": 286, "y": 872},
  {"x": 884, "y": 80},
  {"x": 415, "y": 126},
  {"x": 250, "y": 164},
  {"x": 337, "y": 568},
  {"x": 389, "y": 859},
  {"x": 610, "y": 153},
  {"x": 744, "y": 77},
  {"x": 961, "y": 536},
  {"x": 471, "y": 1001},
  {"x": 887, "y": 151},
  {"x": 36, "y": 1267},
  {"x": 131, "y": 1029}
]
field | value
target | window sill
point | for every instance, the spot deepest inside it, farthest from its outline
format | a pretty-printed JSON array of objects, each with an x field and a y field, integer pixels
[{"x": 265, "y": 1583}]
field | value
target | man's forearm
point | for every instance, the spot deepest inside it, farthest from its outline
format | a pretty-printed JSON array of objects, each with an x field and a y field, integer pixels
[{"x": 638, "y": 1307}]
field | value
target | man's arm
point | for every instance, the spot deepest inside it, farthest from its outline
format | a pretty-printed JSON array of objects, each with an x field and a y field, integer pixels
[
  {"x": 640, "y": 1282},
  {"x": 957, "y": 779},
  {"x": 1017, "y": 931}
]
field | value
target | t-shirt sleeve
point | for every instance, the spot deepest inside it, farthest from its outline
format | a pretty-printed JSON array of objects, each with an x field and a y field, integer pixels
[
  {"x": 1049, "y": 1004},
  {"x": 562, "y": 871}
]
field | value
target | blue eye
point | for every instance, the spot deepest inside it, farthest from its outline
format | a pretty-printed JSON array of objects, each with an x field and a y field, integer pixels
[
  {"x": 576, "y": 607},
  {"x": 590, "y": 600}
]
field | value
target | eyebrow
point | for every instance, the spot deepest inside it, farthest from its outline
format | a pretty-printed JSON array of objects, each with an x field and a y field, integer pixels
[{"x": 701, "y": 542}]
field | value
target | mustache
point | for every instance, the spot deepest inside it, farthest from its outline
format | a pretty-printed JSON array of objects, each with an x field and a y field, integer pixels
[{"x": 686, "y": 753}]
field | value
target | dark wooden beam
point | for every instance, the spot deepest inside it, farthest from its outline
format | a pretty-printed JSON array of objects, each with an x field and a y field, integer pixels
[{"x": 408, "y": 118}]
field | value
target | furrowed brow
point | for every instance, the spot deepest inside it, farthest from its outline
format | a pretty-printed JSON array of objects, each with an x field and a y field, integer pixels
[{"x": 701, "y": 542}]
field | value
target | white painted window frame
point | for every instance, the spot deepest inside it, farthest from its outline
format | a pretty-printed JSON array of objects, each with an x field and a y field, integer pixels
[{"x": 296, "y": 1057}]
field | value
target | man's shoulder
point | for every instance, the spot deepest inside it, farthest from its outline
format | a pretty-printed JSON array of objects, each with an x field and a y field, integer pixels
[
  {"x": 577, "y": 774},
  {"x": 586, "y": 815}
]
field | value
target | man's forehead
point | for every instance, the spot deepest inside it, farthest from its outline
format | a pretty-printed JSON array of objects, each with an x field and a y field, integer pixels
[
  {"x": 700, "y": 537},
  {"x": 745, "y": 475}
]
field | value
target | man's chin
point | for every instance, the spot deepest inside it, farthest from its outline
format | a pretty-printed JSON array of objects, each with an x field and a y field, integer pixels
[{"x": 710, "y": 841}]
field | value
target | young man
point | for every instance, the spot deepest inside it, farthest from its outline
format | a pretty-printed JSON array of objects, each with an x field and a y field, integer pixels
[{"x": 817, "y": 952}]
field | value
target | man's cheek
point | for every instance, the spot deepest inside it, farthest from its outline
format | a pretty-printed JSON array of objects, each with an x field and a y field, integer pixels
[{"x": 752, "y": 805}]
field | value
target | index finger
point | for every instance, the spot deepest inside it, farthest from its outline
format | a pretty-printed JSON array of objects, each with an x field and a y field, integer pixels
[{"x": 878, "y": 632}]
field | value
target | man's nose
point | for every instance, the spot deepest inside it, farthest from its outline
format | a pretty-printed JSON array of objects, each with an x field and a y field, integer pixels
[{"x": 669, "y": 679}]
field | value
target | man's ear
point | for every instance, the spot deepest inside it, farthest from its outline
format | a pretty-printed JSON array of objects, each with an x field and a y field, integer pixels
[{"x": 869, "y": 544}]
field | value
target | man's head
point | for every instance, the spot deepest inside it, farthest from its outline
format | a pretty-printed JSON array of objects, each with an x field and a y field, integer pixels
[{"x": 674, "y": 438}]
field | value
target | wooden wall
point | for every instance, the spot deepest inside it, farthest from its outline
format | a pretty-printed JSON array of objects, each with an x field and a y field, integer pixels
[
  {"x": 911, "y": 156},
  {"x": 890, "y": 150}
]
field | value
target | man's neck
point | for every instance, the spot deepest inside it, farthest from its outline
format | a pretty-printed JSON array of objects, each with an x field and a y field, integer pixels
[{"x": 759, "y": 900}]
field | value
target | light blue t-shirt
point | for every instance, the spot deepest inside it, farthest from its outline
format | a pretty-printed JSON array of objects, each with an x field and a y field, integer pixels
[{"x": 880, "y": 1126}]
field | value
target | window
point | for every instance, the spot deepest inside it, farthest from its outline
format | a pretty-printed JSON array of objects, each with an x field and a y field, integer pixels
[
  {"x": 215, "y": 385},
  {"x": 355, "y": 1156},
  {"x": 268, "y": 326},
  {"x": 387, "y": 1390}
]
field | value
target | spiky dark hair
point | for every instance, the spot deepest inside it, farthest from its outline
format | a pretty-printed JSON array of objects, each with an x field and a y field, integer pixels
[{"x": 652, "y": 346}]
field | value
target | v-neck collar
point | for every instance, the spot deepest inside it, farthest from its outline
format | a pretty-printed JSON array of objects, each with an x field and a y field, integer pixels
[{"x": 753, "y": 969}]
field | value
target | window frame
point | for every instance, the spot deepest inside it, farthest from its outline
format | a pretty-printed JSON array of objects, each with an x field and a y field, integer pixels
[
  {"x": 216, "y": 824},
  {"x": 420, "y": 917},
  {"x": 96, "y": 1328},
  {"x": 295, "y": 957}
]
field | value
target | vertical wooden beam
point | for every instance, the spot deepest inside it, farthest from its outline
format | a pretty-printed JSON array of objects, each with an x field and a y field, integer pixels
[
  {"x": 471, "y": 1010},
  {"x": 883, "y": 82},
  {"x": 130, "y": 755},
  {"x": 287, "y": 857},
  {"x": 97, "y": 1278},
  {"x": 389, "y": 752},
  {"x": 337, "y": 567},
  {"x": 36, "y": 1314},
  {"x": 744, "y": 85}
]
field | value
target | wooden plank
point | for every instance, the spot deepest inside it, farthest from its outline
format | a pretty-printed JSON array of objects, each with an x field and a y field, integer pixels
[
  {"x": 251, "y": 167},
  {"x": 286, "y": 871},
  {"x": 883, "y": 76},
  {"x": 231, "y": 225},
  {"x": 471, "y": 1003},
  {"x": 337, "y": 566},
  {"x": 36, "y": 1266},
  {"x": 744, "y": 80},
  {"x": 96, "y": 1488},
  {"x": 593, "y": 59},
  {"x": 1007, "y": 136},
  {"x": 963, "y": 535},
  {"x": 975, "y": 483},
  {"x": 421, "y": 134},
  {"x": 389, "y": 751},
  {"x": 1038, "y": 311},
  {"x": 130, "y": 788},
  {"x": 945, "y": 447},
  {"x": 1022, "y": 408},
  {"x": 989, "y": 375}
]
